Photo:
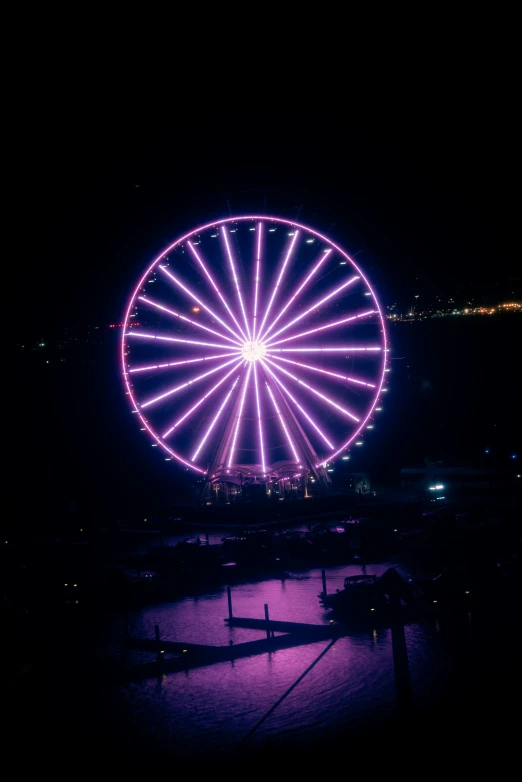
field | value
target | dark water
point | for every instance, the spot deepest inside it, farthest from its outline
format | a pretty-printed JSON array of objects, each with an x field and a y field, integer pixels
[{"x": 206, "y": 713}]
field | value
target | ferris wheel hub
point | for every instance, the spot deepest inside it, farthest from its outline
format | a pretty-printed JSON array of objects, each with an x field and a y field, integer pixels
[{"x": 254, "y": 350}]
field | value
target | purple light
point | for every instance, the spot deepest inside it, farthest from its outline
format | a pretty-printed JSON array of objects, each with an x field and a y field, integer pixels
[
  {"x": 292, "y": 244},
  {"x": 382, "y": 339},
  {"x": 198, "y": 301},
  {"x": 258, "y": 265},
  {"x": 240, "y": 413},
  {"x": 346, "y": 349},
  {"x": 290, "y": 443},
  {"x": 316, "y": 305},
  {"x": 259, "y": 420},
  {"x": 318, "y": 393},
  {"x": 200, "y": 401},
  {"x": 188, "y": 383},
  {"x": 180, "y": 363},
  {"x": 298, "y": 291},
  {"x": 200, "y": 261},
  {"x": 188, "y": 320},
  {"x": 175, "y": 339},
  {"x": 322, "y": 328},
  {"x": 299, "y": 407},
  {"x": 234, "y": 275},
  {"x": 326, "y": 372},
  {"x": 202, "y": 443}
]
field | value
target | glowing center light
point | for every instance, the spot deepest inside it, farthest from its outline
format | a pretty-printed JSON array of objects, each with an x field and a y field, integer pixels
[{"x": 253, "y": 351}]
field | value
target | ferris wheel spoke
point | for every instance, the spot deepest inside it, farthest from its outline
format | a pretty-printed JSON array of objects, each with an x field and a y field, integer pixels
[
  {"x": 259, "y": 420},
  {"x": 316, "y": 268},
  {"x": 239, "y": 415},
  {"x": 198, "y": 301},
  {"x": 200, "y": 401},
  {"x": 188, "y": 383},
  {"x": 235, "y": 278},
  {"x": 143, "y": 335},
  {"x": 345, "y": 349},
  {"x": 326, "y": 372},
  {"x": 213, "y": 283},
  {"x": 317, "y": 304},
  {"x": 317, "y": 393},
  {"x": 285, "y": 263},
  {"x": 187, "y": 320},
  {"x": 181, "y": 363},
  {"x": 214, "y": 421},
  {"x": 258, "y": 272},
  {"x": 282, "y": 423},
  {"x": 298, "y": 406},
  {"x": 322, "y": 328}
]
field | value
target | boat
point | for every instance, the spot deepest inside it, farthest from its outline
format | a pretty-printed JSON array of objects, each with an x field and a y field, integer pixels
[{"x": 360, "y": 593}]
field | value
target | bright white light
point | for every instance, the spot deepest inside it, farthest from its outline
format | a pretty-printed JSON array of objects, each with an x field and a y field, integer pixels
[
  {"x": 345, "y": 458},
  {"x": 436, "y": 487},
  {"x": 253, "y": 351}
]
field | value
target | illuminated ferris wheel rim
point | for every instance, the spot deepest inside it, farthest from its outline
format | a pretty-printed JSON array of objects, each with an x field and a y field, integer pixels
[{"x": 251, "y": 350}]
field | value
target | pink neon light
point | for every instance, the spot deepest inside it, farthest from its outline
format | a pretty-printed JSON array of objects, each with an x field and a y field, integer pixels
[
  {"x": 188, "y": 383},
  {"x": 202, "y": 443},
  {"x": 175, "y": 339},
  {"x": 247, "y": 218},
  {"x": 180, "y": 363},
  {"x": 325, "y": 372},
  {"x": 214, "y": 388},
  {"x": 346, "y": 349},
  {"x": 259, "y": 421},
  {"x": 240, "y": 413},
  {"x": 258, "y": 265},
  {"x": 322, "y": 328},
  {"x": 285, "y": 430},
  {"x": 298, "y": 291},
  {"x": 318, "y": 393},
  {"x": 289, "y": 253},
  {"x": 236, "y": 280},
  {"x": 198, "y": 301},
  {"x": 188, "y": 320},
  {"x": 316, "y": 305},
  {"x": 299, "y": 407},
  {"x": 200, "y": 261}
]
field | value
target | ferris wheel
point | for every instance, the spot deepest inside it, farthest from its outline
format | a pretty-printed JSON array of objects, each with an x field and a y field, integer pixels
[{"x": 253, "y": 346}]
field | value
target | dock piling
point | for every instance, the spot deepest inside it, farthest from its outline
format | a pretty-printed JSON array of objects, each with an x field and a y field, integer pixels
[
  {"x": 229, "y": 598},
  {"x": 323, "y": 575},
  {"x": 267, "y": 622}
]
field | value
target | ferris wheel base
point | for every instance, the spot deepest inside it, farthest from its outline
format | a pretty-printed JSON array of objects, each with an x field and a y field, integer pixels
[{"x": 274, "y": 477}]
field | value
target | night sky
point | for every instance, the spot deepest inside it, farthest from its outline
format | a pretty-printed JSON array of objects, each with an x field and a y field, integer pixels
[{"x": 423, "y": 196}]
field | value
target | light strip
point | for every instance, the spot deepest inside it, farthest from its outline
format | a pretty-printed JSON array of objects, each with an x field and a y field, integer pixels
[
  {"x": 180, "y": 420},
  {"x": 258, "y": 268},
  {"x": 292, "y": 244},
  {"x": 236, "y": 280},
  {"x": 298, "y": 291},
  {"x": 239, "y": 415},
  {"x": 200, "y": 261},
  {"x": 198, "y": 301},
  {"x": 325, "y": 372},
  {"x": 188, "y": 320},
  {"x": 322, "y": 328},
  {"x": 317, "y": 304},
  {"x": 259, "y": 421},
  {"x": 175, "y": 339},
  {"x": 345, "y": 349},
  {"x": 180, "y": 363},
  {"x": 318, "y": 393},
  {"x": 188, "y": 383},
  {"x": 290, "y": 443},
  {"x": 299, "y": 407},
  {"x": 202, "y": 443}
]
